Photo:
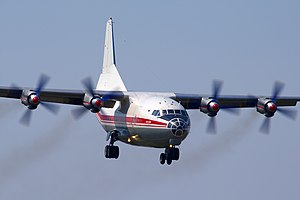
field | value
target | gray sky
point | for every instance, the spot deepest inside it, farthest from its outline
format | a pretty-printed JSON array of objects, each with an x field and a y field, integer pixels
[{"x": 176, "y": 46}]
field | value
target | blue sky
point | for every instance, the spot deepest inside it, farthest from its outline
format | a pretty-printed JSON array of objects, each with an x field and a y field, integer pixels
[{"x": 178, "y": 46}]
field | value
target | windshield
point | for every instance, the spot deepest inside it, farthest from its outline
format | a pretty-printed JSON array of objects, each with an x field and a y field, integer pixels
[{"x": 170, "y": 113}]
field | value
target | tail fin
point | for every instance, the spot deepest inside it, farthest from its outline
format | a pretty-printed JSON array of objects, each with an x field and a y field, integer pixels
[{"x": 110, "y": 79}]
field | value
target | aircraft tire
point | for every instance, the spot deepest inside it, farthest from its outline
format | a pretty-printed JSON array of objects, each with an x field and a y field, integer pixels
[
  {"x": 169, "y": 160},
  {"x": 175, "y": 154},
  {"x": 111, "y": 152},
  {"x": 116, "y": 151},
  {"x": 106, "y": 151},
  {"x": 162, "y": 158}
]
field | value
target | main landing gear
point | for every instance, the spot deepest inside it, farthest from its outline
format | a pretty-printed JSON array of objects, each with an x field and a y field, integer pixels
[
  {"x": 110, "y": 150},
  {"x": 171, "y": 153}
]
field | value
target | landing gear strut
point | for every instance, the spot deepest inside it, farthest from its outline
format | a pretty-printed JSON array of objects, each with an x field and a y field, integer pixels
[
  {"x": 110, "y": 150},
  {"x": 171, "y": 153}
]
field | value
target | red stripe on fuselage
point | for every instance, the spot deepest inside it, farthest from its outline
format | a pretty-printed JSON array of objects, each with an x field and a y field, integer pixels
[{"x": 129, "y": 120}]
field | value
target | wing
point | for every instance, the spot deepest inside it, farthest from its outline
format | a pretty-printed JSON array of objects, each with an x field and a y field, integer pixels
[
  {"x": 72, "y": 97},
  {"x": 191, "y": 101},
  {"x": 266, "y": 106}
]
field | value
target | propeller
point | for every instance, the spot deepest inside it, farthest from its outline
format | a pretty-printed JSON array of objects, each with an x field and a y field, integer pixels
[
  {"x": 79, "y": 112},
  {"x": 289, "y": 113},
  {"x": 211, "y": 126},
  {"x": 26, "y": 117},
  {"x": 96, "y": 102},
  {"x": 216, "y": 89},
  {"x": 43, "y": 80},
  {"x": 88, "y": 86},
  {"x": 265, "y": 126}
]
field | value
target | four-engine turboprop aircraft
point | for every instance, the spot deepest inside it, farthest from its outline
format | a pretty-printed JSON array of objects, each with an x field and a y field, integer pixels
[{"x": 156, "y": 120}]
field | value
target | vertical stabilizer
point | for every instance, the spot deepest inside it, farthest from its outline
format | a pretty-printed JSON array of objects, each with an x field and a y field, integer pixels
[{"x": 110, "y": 79}]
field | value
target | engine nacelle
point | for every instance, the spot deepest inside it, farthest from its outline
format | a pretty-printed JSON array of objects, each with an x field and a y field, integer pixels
[
  {"x": 93, "y": 103},
  {"x": 266, "y": 107},
  {"x": 209, "y": 106},
  {"x": 30, "y": 99}
]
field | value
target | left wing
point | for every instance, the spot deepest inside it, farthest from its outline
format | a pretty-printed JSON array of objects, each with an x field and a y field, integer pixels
[
  {"x": 192, "y": 101},
  {"x": 266, "y": 106},
  {"x": 211, "y": 104}
]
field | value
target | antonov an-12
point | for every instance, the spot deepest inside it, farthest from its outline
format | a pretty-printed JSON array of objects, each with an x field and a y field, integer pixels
[{"x": 157, "y": 120}]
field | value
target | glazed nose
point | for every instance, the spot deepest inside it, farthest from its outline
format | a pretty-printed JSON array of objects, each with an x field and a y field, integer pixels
[{"x": 177, "y": 126}]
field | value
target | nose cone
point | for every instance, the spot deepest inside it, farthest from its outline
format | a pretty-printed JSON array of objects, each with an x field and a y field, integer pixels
[{"x": 179, "y": 126}]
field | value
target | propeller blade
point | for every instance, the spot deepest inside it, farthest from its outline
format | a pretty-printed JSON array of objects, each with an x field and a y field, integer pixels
[
  {"x": 42, "y": 83},
  {"x": 51, "y": 107},
  {"x": 26, "y": 118},
  {"x": 278, "y": 86},
  {"x": 15, "y": 86},
  {"x": 217, "y": 85},
  {"x": 87, "y": 83},
  {"x": 265, "y": 127},
  {"x": 291, "y": 114},
  {"x": 234, "y": 111},
  {"x": 212, "y": 127},
  {"x": 79, "y": 112}
]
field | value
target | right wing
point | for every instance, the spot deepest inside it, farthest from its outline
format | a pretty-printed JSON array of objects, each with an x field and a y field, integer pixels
[{"x": 72, "y": 97}]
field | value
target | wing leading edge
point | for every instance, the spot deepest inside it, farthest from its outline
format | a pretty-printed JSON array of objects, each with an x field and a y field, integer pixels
[
  {"x": 191, "y": 101},
  {"x": 72, "y": 97}
]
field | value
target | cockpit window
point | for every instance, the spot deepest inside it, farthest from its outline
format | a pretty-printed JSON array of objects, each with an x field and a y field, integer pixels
[
  {"x": 155, "y": 113},
  {"x": 159, "y": 113},
  {"x": 170, "y": 112},
  {"x": 177, "y": 112},
  {"x": 164, "y": 112},
  {"x": 184, "y": 113}
]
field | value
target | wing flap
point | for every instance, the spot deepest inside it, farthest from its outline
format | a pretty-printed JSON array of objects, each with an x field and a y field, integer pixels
[
  {"x": 64, "y": 97},
  {"x": 10, "y": 92}
]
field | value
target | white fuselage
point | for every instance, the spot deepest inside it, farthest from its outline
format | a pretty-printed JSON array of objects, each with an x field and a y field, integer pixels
[{"x": 146, "y": 120}]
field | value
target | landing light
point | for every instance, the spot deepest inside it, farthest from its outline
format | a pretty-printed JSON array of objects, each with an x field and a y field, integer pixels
[{"x": 134, "y": 136}]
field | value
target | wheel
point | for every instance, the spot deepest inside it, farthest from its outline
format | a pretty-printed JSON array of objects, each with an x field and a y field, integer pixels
[
  {"x": 169, "y": 161},
  {"x": 162, "y": 158},
  {"x": 106, "y": 151},
  {"x": 111, "y": 152},
  {"x": 176, "y": 154},
  {"x": 115, "y": 152}
]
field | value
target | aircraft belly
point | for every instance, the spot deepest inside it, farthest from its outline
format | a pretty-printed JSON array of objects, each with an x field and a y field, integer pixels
[
  {"x": 153, "y": 137},
  {"x": 144, "y": 136}
]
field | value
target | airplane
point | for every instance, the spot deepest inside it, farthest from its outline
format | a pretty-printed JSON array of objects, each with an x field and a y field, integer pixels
[{"x": 147, "y": 119}]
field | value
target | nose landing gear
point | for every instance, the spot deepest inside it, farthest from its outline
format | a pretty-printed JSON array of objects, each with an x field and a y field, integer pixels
[{"x": 171, "y": 153}]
